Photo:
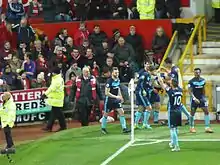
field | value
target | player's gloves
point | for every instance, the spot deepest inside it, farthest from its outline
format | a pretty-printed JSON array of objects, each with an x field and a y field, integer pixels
[{"x": 43, "y": 97}]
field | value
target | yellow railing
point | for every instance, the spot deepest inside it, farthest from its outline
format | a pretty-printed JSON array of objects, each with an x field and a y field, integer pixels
[
  {"x": 200, "y": 26},
  {"x": 168, "y": 48}
]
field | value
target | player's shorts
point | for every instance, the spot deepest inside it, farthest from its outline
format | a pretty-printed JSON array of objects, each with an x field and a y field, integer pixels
[
  {"x": 175, "y": 118},
  {"x": 112, "y": 104},
  {"x": 142, "y": 100},
  {"x": 154, "y": 98},
  {"x": 203, "y": 103}
]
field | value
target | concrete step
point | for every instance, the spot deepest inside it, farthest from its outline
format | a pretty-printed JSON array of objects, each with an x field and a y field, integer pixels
[
  {"x": 203, "y": 61},
  {"x": 210, "y": 50},
  {"x": 210, "y": 44},
  {"x": 207, "y": 56}
]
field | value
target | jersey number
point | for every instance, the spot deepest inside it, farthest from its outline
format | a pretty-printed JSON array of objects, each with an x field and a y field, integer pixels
[{"x": 177, "y": 100}]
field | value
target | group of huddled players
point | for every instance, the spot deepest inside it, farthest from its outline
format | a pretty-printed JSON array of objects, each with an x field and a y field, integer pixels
[
  {"x": 168, "y": 78},
  {"x": 150, "y": 82}
]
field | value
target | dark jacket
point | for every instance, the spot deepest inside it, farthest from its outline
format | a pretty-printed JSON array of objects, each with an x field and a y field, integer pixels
[
  {"x": 86, "y": 92},
  {"x": 173, "y": 8},
  {"x": 122, "y": 13},
  {"x": 61, "y": 6},
  {"x": 135, "y": 41},
  {"x": 15, "y": 12},
  {"x": 26, "y": 34},
  {"x": 96, "y": 39},
  {"x": 159, "y": 44},
  {"x": 99, "y": 9}
]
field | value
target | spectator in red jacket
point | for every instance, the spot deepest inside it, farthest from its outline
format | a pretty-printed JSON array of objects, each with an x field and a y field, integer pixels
[
  {"x": 5, "y": 32},
  {"x": 41, "y": 64},
  {"x": 5, "y": 54},
  {"x": 81, "y": 34}
]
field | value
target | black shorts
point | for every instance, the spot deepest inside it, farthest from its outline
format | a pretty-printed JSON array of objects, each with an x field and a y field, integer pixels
[
  {"x": 112, "y": 105},
  {"x": 203, "y": 103},
  {"x": 175, "y": 119}
]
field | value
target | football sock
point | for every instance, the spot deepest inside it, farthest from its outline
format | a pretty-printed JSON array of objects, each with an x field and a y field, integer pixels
[
  {"x": 186, "y": 112},
  {"x": 175, "y": 137},
  {"x": 156, "y": 115},
  {"x": 146, "y": 117},
  {"x": 137, "y": 117},
  {"x": 207, "y": 121},
  {"x": 123, "y": 122},
  {"x": 104, "y": 121},
  {"x": 171, "y": 136},
  {"x": 192, "y": 123}
]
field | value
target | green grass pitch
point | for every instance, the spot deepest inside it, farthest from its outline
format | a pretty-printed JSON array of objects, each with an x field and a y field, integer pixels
[{"x": 86, "y": 146}]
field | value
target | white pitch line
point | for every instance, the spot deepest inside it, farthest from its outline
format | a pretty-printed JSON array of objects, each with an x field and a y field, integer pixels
[
  {"x": 149, "y": 143},
  {"x": 181, "y": 140},
  {"x": 109, "y": 159}
]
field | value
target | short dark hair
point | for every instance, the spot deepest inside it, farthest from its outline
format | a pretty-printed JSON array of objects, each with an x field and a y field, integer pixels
[
  {"x": 197, "y": 69},
  {"x": 28, "y": 54},
  {"x": 168, "y": 60},
  {"x": 114, "y": 68}
]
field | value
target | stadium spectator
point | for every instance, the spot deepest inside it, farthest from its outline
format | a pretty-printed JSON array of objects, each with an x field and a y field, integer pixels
[
  {"x": 77, "y": 57},
  {"x": 62, "y": 10},
  {"x": 41, "y": 65},
  {"x": 25, "y": 32},
  {"x": 159, "y": 45},
  {"x": 82, "y": 49},
  {"x": 97, "y": 37},
  {"x": 29, "y": 66},
  {"x": 5, "y": 32},
  {"x": 133, "y": 8},
  {"x": 73, "y": 69},
  {"x": 26, "y": 5},
  {"x": 23, "y": 82},
  {"x": 106, "y": 69},
  {"x": 81, "y": 9},
  {"x": 69, "y": 48},
  {"x": 35, "y": 8},
  {"x": 173, "y": 8},
  {"x": 160, "y": 9},
  {"x": 118, "y": 9},
  {"x": 95, "y": 70},
  {"x": 146, "y": 11},
  {"x": 114, "y": 40},
  {"x": 84, "y": 97},
  {"x": 48, "y": 10},
  {"x": 216, "y": 6},
  {"x": 38, "y": 50},
  {"x": 15, "y": 63},
  {"x": 90, "y": 59},
  {"x": 62, "y": 36},
  {"x": 9, "y": 77},
  {"x": 5, "y": 54},
  {"x": 135, "y": 41},
  {"x": 81, "y": 34},
  {"x": 15, "y": 11},
  {"x": 40, "y": 82},
  {"x": 99, "y": 9},
  {"x": 72, "y": 11},
  {"x": 101, "y": 52},
  {"x": 124, "y": 55}
]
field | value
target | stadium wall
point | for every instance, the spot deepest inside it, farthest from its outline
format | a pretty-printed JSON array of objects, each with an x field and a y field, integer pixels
[{"x": 146, "y": 28}]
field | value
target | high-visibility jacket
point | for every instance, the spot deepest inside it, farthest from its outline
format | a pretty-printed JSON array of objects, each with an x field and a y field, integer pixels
[
  {"x": 8, "y": 113},
  {"x": 146, "y": 9},
  {"x": 216, "y": 3},
  {"x": 55, "y": 92}
]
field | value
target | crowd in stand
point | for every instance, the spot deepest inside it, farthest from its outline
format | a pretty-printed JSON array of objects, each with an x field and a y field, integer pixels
[{"x": 27, "y": 63}]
